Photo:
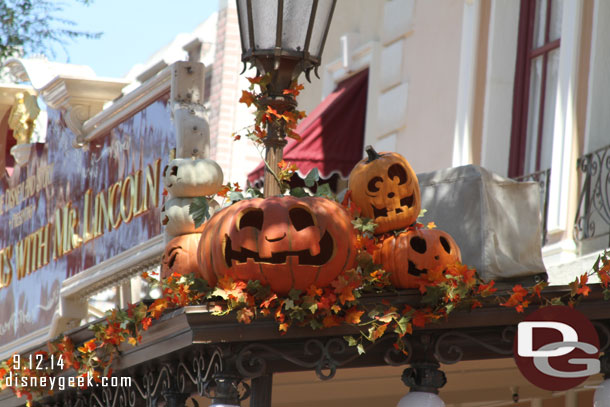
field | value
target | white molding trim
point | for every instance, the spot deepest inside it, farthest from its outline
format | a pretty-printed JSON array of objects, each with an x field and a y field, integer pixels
[
  {"x": 564, "y": 129},
  {"x": 24, "y": 343},
  {"x": 129, "y": 104},
  {"x": 114, "y": 270},
  {"x": 462, "y": 139}
]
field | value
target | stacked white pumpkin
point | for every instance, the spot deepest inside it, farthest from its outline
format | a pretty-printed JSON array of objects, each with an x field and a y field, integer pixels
[{"x": 184, "y": 180}]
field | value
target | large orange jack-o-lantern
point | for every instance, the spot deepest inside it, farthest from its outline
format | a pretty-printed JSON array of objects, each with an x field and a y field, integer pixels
[
  {"x": 180, "y": 255},
  {"x": 385, "y": 188},
  {"x": 417, "y": 254},
  {"x": 284, "y": 242}
]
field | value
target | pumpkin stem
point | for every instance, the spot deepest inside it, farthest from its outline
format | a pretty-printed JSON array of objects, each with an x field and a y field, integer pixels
[{"x": 373, "y": 155}]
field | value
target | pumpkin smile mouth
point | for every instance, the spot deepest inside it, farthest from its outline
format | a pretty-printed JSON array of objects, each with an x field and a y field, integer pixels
[
  {"x": 305, "y": 257},
  {"x": 383, "y": 212},
  {"x": 413, "y": 270}
]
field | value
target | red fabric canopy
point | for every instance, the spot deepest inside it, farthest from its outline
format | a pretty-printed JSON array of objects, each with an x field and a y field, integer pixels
[{"x": 332, "y": 134}]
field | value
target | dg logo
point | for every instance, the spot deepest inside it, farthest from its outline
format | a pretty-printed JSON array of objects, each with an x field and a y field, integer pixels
[{"x": 557, "y": 348}]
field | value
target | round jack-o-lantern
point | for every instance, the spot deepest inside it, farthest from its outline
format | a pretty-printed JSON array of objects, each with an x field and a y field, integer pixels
[
  {"x": 417, "y": 254},
  {"x": 187, "y": 177},
  {"x": 284, "y": 242},
  {"x": 180, "y": 255},
  {"x": 385, "y": 188}
]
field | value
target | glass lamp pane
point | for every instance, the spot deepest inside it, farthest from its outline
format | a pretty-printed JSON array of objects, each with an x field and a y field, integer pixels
[
  {"x": 550, "y": 101},
  {"x": 533, "y": 115},
  {"x": 242, "y": 11},
  {"x": 320, "y": 24},
  {"x": 539, "y": 23},
  {"x": 264, "y": 20},
  {"x": 296, "y": 20},
  {"x": 556, "y": 15},
  {"x": 421, "y": 399}
]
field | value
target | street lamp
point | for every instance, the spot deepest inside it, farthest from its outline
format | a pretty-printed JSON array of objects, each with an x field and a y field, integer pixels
[{"x": 282, "y": 38}]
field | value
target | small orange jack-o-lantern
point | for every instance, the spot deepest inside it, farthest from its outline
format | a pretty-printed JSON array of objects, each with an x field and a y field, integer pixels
[
  {"x": 284, "y": 242},
  {"x": 180, "y": 255},
  {"x": 385, "y": 188},
  {"x": 417, "y": 254}
]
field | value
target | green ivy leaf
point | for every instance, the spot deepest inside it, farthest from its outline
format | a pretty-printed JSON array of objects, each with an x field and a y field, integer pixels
[
  {"x": 315, "y": 324},
  {"x": 607, "y": 294},
  {"x": 401, "y": 325},
  {"x": 351, "y": 341},
  {"x": 199, "y": 209},
  {"x": 288, "y": 303},
  {"x": 254, "y": 192},
  {"x": 294, "y": 294},
  {"x": 433, "y": 295},
  {"x": 364, "y": 225},
  {"x": 360, "y": 348},
  {"x": 312, "y": 178},
  {"x": 325, "y": 191},
  {"x": 236, "y": 196},
  {"x": 298, "y": 192}
]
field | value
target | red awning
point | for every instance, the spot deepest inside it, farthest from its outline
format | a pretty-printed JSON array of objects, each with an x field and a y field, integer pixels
[{"x": 332, "y": 134}]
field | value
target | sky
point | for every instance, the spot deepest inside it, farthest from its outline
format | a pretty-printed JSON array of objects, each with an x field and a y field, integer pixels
[{"x": 132, "y": 30}]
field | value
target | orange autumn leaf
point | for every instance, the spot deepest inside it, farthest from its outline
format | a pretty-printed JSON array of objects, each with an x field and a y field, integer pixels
[
  {"x": 157, "y": 307},
  {"x": 352, "y": 316},
  {"x": 420, "y": 319},
  {"x": 476, "y": 304},
  {"x": 132, "y": 341},
  {"x": 583, "y": 288},
  {"x": 378, "y": 331},
  {"x": 245, "y": 315},
  {"x": 255, "y": 80},
  {"x": 146, "y": 323},
  {"x": 247, "y": 98},
  {"x": 431, "y": 225},
  {"x": 295, "y": 90},
  {"x": 331, "y": 320},
  {"x": 283, "y": 327}
]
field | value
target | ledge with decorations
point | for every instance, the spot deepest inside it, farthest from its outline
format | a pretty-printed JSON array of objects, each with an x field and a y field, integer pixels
[{"x": 400, "y": 269}]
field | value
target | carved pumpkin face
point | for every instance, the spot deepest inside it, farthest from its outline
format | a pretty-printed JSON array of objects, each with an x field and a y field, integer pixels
[
  {"x": 180, "y": 255},
  {"x": 284, "y": 242},
  {"x": 417, "y": 254},
  {"x": 385, "y": 188}
]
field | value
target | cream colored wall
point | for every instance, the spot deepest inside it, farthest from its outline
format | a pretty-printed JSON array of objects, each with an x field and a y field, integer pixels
[
  {"x": 412, "y": 48},
  {"x": 432, "y": 63}
]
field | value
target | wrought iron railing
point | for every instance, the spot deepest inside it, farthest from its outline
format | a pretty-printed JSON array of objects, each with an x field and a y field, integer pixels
[
  {"x": 542, "y": 178},
  {"x": 593, "y": 214}
]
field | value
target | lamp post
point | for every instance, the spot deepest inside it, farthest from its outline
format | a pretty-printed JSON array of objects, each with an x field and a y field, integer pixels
[{"x": 282, "y": 38}]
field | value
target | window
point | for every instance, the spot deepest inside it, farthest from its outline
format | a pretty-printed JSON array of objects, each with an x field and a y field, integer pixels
[{"x": 536, "y": 80}]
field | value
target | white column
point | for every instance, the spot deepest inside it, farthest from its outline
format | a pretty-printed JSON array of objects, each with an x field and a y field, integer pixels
[
  {"x": 499, "y": 85},
  {"x": 564, "y": 131},
  {"x": 462, "y": 141}
]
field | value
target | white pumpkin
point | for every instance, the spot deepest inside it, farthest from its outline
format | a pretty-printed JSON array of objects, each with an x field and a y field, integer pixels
[
  {"x": 188, "y": 178},
  {"x": 176, "y": 218}
]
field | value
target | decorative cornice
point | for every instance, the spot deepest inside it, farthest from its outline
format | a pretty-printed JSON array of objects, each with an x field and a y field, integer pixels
[{"x": 80, "y": 98}]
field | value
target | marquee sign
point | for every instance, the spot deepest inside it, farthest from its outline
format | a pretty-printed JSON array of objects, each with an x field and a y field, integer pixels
[{"x": 68, "y": 209}]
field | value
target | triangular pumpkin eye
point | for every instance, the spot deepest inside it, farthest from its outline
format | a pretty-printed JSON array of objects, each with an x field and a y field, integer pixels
[
  {"x": 252, "y": 218},
  {"x": 301, "y": 218},
  {"x": 445, "y": 244},
  {"x": 418, "y": 244},
  {"x": 397, "y": 171}
]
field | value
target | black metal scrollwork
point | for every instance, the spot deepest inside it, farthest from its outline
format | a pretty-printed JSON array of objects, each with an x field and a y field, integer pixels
[
  {"x": 594, "y": 201},
  {"x": 444, "y": 347}
]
